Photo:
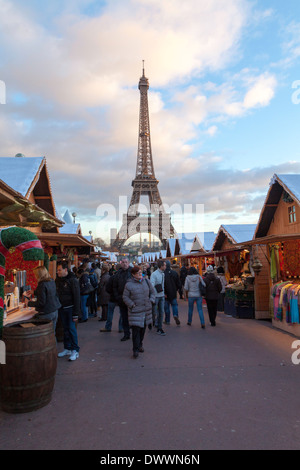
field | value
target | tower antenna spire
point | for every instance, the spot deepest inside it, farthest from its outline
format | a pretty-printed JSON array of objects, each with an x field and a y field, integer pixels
[{"x": 143, "y": 68}]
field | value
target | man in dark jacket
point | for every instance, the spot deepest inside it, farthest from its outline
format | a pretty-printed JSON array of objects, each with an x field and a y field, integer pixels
[
  {"x": 172, "y": 285},
  {"x": 68, "y": 291},
  {"x": 120, "y": 279},
  {"x": 213, "y": 289},
  {"x": 111, "y": 307}
]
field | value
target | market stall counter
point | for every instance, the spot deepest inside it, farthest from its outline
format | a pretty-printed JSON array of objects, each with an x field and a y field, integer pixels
[
  {"x": 239, "y": 299},
  {"x": 19, "y": 315}
]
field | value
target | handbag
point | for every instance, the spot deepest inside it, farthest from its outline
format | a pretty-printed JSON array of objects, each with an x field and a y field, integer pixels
[
  {"x": 202, "y": 288},
  {"x": 86, "y": 288},
  {"x": 158, "y": 288}
]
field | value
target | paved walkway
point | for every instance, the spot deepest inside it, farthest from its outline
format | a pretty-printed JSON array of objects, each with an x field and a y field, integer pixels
[{"x": 229, "y": 387}]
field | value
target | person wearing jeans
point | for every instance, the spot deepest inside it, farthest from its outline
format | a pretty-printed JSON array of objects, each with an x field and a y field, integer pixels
[
  {"x": 68, "y": 292},
  {"x": 168, "y": 305},
  {"x": 192, "y": 290},
  {"x": 84, "y": 308},
  {"x": 198, "y": 301},
  {"x": 110, "y": 314},
  {"x": 159, "y": 313},
  {"x": 70, "y": 332},
  {"x": 158, "y": 281}
]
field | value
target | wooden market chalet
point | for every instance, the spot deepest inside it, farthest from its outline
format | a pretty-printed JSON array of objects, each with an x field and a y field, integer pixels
[{"x": 26, "y": 200}]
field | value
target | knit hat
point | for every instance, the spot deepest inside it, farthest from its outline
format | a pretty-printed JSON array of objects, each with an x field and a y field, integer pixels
[{"x": 210, "y": 269}]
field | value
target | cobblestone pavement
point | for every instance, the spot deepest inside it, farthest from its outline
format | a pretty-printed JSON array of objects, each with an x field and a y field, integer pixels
[{"x": 232, "y": 386}]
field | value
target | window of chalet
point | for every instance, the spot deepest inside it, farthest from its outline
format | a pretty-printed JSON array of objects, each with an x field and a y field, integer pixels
[{"x": 292, "y": 214}]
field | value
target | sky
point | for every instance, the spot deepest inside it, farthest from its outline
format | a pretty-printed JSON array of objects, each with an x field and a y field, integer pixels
[{"x": 224, "y": 101}]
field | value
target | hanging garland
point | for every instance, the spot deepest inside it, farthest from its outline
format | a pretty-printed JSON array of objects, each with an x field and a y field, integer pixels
[{"x": 20, "y": 239}]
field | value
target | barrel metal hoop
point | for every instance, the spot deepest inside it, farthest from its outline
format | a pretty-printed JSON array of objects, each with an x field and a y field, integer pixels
[
  {"x": 27, "y": 387},
  {"x": 29, "y": 353},
  {"x": 32, "y": 335}
]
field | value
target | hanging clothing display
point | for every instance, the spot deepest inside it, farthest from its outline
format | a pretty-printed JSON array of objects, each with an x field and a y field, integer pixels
[{"x": 286, "y": 301}]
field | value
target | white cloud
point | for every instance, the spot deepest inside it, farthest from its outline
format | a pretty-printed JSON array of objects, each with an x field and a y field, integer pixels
[
  {"x": 80, "y": 73},
  {"x": 261, "y": 92}
]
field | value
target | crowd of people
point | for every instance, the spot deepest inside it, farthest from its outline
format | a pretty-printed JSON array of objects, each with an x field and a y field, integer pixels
[{"x": 144, "y": 296}]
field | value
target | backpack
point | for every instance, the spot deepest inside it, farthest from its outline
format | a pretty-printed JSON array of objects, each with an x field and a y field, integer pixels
[{"x": 85, "y": 287}]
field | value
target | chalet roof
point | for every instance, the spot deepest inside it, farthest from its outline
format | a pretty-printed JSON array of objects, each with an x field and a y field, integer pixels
[
  {"x": 171, "y": 243},
  {"x": 67, "y": 217},
  {"x": 15, "y": 209},
  {"x": 291, "y": 184},
  {"x": 278, "y": 184},
  {"x": 184, "y": 243},
  {"x": 20, "y": 172},
  {"x": 70, "y": 228},
  {"x": 29, "y": 176},
  {"x": 236, "y": 233},
  {"x": 207, "y": 240}
]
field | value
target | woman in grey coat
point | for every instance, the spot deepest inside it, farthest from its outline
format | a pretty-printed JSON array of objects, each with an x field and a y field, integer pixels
[
  {"x": 192, "y": 290},
  {"x": 138, "y": 295}
]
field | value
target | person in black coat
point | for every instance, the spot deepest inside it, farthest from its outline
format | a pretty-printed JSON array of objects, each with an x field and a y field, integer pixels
[
  {"x": 213, "y": 289},
  {"x": 104, "y": 296},
  {"x": 47, "y": 302},
  {"x": 68, "y": 291},
  {"x": 120, "y": 279},
  {"x": 172, "y": 285}
]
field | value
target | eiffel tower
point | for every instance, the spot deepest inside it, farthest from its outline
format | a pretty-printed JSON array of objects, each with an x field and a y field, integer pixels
[{"x": 157, "y": 222}]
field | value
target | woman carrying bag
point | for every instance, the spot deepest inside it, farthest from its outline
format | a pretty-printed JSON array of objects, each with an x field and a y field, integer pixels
[
  {"x": 138, "y": 295},
  {"x": 193, "y": 292}
]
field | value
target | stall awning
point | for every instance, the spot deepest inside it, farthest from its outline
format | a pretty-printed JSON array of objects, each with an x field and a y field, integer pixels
[
  {"x": 271, "y": 239},
  {"x": 56, "y": 239}
]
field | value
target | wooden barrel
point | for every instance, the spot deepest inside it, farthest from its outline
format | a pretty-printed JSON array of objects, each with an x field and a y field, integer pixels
[{"x": 27, "y": 379}]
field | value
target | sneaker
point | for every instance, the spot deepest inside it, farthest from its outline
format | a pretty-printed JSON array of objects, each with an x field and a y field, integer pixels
[
  {"x": 161, "y": 332},
  {"x": 177, "y": 320},
  {"x": 74, "y": 356},
  {"x": 104, "y": 330},
  {"x": 203, "y": 326},
  {"x": 65, "y": 352},
  {"x": 188, "y": 323},
  {"x": 135, "y": 354}
]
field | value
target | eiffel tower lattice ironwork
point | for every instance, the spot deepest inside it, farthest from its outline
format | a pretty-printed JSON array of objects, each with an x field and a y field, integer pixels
[{"x": 157, "y": 222}]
